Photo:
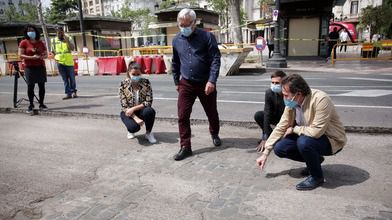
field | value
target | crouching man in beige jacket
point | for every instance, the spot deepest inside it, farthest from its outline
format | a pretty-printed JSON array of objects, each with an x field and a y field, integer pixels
[{"x": 308, "y": 130}]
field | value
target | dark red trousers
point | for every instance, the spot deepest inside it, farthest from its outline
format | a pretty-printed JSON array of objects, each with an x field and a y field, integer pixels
[{"x": 187, "y": 93}]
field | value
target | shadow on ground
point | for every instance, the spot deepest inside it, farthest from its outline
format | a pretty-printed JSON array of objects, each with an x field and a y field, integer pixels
[{"x": 336, "y": 175}]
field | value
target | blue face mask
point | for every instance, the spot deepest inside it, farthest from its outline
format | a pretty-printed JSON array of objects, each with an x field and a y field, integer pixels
[
  {"x": 135, "y": 78},
  {"x": 31, "y": 35},
  {"x": 290, "y": 103},
  {"x": 276, "y": 88},
  {"x": 186, "y": 31}
]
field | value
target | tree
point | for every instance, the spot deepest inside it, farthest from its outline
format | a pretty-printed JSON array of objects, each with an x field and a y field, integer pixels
[
  {"x": 378, "y": 18},
  {"x": 26, "y": 13},
  {"x": 140, "y": 17},
  {"x": 236, "y": 21},
  {"x": 60, "y": 10}
]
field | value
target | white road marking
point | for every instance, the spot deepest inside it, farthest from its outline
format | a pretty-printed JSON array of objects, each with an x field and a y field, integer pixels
[
  {"x": 367, "y": 79},
  {"x": 365, "y": 93}
]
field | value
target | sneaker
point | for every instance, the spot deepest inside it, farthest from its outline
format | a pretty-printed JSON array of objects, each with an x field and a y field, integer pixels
[
  {"x": 43, "y": 107},
  {"x": 131, "y": 135},
  {"x": 74, "y": 95},
  {"x": 150, "y": 137},
  {"x": 30, "y": 109},
  {"x": 67, "y": 97}
]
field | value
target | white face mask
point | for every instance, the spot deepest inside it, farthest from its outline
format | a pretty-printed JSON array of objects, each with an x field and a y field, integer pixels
[
  {"x": 276, "y": 88},
  {"x": 186, "y": 31}
]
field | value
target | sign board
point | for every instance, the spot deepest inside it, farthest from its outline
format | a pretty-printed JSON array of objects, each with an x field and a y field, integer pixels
[
  {"x": 275, "y": 15},
  {"x": 260, "y": 43}
]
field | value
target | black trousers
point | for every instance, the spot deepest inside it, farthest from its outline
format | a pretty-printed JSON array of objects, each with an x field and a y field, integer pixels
[
  {"x": 147, "y": 114},
  {"x": 267, "y": 129}
]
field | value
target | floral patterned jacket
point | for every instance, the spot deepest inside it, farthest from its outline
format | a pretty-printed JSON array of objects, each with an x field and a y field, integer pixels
[{"x": 126, "y": 94}]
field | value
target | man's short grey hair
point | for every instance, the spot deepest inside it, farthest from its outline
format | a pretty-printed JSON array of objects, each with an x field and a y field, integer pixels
[{"x": 186, "y": 13}]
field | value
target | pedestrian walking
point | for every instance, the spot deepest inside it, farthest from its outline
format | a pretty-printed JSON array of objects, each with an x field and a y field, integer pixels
[
  {"x": 270, "y": 44},
  {"x": 196, "y": 63},
  {"x": 343, "y": 36},
  {"x": 333, "y": 38},
  {"x": 33, "y": 52},
  {"x": 309, "y": 129}
]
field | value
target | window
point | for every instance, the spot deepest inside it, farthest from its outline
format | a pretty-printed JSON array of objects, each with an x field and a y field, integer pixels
[
  {"x": 354, "y": 8},
  {"x": 96, "y": 2}
]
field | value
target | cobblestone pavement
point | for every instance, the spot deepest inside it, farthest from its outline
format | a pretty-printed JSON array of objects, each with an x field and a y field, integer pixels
[{"x": 83, "y": 168}]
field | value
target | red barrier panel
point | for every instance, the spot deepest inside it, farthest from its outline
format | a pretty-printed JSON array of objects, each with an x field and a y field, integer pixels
[
  {"x": 160, "y": 66},
  {"x": 76, "y": 66},
  {"x": 148, "y": 64},
  {"x": 140, "y": 61},
  {"x": 110, "y": 65}
]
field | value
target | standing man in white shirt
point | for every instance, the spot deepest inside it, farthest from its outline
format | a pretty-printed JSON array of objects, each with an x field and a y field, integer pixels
[{"x": 343, "y": 36}]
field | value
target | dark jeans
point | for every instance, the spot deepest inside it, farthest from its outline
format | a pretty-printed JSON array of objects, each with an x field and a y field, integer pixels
[
  {"x": 259, "y": 118},
  {"x": 331, "y": 45},
  {"x": 187, "y": 93},
  {"x": 68, "y": 75},
  {"x": 304, "y": 149},
  {"x": 30, "y": 93},
  {"x": 270, "y": 49},
  {"x": 147, "y": 114},
  {"x": 344, "y": 44}
]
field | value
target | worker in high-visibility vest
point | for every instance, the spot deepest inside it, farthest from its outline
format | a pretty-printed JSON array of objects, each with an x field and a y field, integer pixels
[{"x": 61, "y": 48}]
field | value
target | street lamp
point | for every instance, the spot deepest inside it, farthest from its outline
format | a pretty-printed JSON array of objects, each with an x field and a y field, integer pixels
[{"x": 277, "y": 60}]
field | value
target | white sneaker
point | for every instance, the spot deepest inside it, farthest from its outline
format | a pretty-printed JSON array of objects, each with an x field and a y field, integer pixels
[
  {"x": 130, "y": 135},
  {"x": 150, "y": 137}
]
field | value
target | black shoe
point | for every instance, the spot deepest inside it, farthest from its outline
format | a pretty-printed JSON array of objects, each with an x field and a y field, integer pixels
[
  {"x": 305, "y": 172},
  {"x": 43, "y": 107},
  {"x": 310, "y": 183},
  {"x": 67, "y": 97},
  {"x": 183, "y": 153},
  {"x": 30, "y": 109},
  {"x": 74, "y": 95},
  {"x": 216, "y": 140}
]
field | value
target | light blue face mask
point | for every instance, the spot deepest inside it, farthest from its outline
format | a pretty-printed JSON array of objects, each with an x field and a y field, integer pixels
[
  {"x": 186, "y": 31},
  {"x": 135, "y": 78},
  {"x": 276, "y": 88},
  {"x": 290, "y": 103},
  {"x": 31, "y": 35}
]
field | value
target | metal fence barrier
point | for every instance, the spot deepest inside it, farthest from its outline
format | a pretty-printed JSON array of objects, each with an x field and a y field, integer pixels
[{"x": 381, "y": 50}]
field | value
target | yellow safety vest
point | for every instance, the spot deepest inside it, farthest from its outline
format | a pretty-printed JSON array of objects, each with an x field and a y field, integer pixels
[{"x": 63, "y": 55}]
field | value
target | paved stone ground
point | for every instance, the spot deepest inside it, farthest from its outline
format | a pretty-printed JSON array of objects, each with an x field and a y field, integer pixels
[{"x": 82, "y": 168}]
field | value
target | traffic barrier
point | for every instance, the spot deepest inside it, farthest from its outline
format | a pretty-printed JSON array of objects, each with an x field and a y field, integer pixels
[
  {"x": 159, "y": 64},
  {"x": 147, "y": 64},
  {"x": 379, "y": 50},
  {"x": 110, "y": 65},
  {"x": 168, "y": 63},
  {"x": 127, "y": 60},
  {"x": 140, "y": 61},
  {"x": 87, "y": 66},
  {"x": 51, "y": 67},
  {"x": 3, "y": 66}
]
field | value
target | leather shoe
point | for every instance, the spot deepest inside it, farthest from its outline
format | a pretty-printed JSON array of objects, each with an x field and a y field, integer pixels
[
  {"x": 310, "y": 183},
  {"x": 305, "y": 172},
  {"x": 183, "y": 153},
  {"x": 216, "y": 140}
]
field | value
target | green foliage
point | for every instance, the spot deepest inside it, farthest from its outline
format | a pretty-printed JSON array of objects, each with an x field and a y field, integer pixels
[
  {"x": 243, "y": 16},
  {"x": 27, "y": 13},
  {"x": 167, "y": 4},
  {"x": 378, "y": 18},
  {"x": 60, "y": 10},
  {"x": 140, "y": 17}
]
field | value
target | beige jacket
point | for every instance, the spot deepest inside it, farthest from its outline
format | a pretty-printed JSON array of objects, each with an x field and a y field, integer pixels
[{"x": 320, "y": 118}]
